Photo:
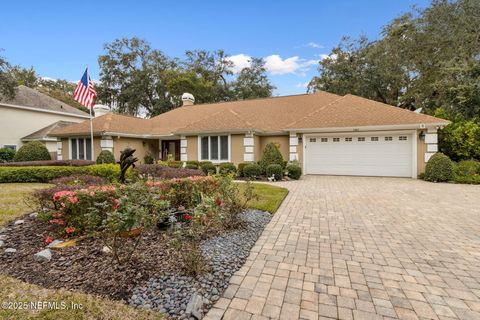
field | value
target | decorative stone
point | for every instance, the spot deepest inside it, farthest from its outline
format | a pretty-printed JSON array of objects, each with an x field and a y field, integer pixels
[
  {"x": 2, "y": 243},
  {"x": 33, "y": 215},
  {"x": 43, "y": 256},
  {"x": 3, "y": 237},
  {"x": 64, "y": 244},
  {"x": 10, "y": 250},
  {"x": 106, "y": 249},
  {"x": 194, "y": 306},
  {"x": 18, "y": 222}
]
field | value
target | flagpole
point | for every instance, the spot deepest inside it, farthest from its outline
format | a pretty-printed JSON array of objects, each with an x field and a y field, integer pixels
[{"x": 91, "y": 124}]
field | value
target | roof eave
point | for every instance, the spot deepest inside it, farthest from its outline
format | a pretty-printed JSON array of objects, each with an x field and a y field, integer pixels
[
  {"x": 217, "y": 131},
  {"x": 86, "y": 116},
  {"x": 414, "y": 126}
]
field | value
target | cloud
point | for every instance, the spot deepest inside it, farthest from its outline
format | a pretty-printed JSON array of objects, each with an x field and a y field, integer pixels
[
  {"x": 302, "y": 84},
  {"x": 327, "y": 56},
  {"x": 312, "y": 44},
  {"x": 240, "y": 61}
]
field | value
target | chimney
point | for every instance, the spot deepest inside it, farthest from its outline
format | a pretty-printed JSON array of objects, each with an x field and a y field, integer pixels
[
  {"x": 187, "y": 99},
  {"x": 100, "y": 110}
]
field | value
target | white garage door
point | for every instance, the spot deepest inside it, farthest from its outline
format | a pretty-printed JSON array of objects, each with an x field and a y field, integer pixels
[{"x": 383, "y": 154}]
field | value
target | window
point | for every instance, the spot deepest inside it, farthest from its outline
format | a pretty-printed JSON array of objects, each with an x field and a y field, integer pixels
[
  {"x": 361, "y": 139},
  {"x": 10, "y": 146},
  {"x": 81, "y": 149},
  {"x": 349, "y": 139},
  {"x": 313, "y": 140},
  {"x": 388, "y": 138},
  {"x": 214, "y": 148},
  {"x": 374, "y": 139},
  {"x": 402, "y": 138},
  {"x": 336, "y": 139},
  {"x": 324, "y": 139}
]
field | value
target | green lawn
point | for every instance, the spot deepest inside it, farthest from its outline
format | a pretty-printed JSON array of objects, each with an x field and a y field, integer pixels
[{"x": 269, "y": 197}]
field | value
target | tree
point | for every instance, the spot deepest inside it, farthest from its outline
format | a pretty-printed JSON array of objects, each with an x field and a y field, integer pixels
[
  {"x": 252, "y": 82},
  {"x": 7, "y": 82},
  {"x": 427, "y": 58},
  {"x": 132, "y": 77},
  {"x": 25, "y": 77}
]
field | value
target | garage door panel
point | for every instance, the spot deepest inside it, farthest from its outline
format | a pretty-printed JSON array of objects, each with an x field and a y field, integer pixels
[{"x": 362, "y": 156}]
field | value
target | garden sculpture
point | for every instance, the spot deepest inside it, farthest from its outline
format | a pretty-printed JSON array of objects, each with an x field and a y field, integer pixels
[{"x": 126, "y": 160}]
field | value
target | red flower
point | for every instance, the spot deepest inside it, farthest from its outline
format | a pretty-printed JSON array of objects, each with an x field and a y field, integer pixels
[
  {"x": 70, "y": 230},
  {"x": 188, "y": 217},
  {"x": 56, "y": 215},
  {"x": 219, "y": 202},
  {"x": 48, "y": 240},
  {"x": 73, "y": 199},
  {"x": 56, "y": 221}
]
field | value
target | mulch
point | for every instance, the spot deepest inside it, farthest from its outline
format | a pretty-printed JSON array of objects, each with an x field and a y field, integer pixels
[{"x": 83, "y": 267}]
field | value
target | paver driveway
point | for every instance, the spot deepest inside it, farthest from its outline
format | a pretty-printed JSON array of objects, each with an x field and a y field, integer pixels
[{"x": 363, "y": 248}]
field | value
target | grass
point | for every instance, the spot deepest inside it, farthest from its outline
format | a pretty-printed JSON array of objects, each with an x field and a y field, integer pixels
[
  {"x": 269, "y": 197},
  {"x": 12, "y": 195},
  {"x": 13, "y": 290}
]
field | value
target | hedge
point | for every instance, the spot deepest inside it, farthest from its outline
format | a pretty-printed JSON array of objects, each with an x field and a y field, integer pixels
[
  {"x": 274, "y": 170},
  {"x": 45, "y": 174},
  {"x": 227, "y": 168},
  {"x": 32, "y": 151},
  {"x": 48, "y": 163},
  {"x": 294, "y": 171},
  {"x": 252, "y": 171}
]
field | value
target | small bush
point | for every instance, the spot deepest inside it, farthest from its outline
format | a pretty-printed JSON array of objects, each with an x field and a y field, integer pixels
[
  {"x": 47, "y": 163},
  {"x": 274, "y": 170},
  {"x": 192, "y": 164},
  {"x": 473, "y": 179},
  {"x": 6, "y": 154},
  {"x": 252, "y": 171},
  {"x": 294, "y": 171},
  {"x": 32, "y": 151},
  {"x": 240, "y": 169},
  {"x": 467, "y": 168},
  {"x": 227, "y": 168},
  {"x": 105, "y": 157},
  {"x": 175, "y": 164},
  {"x": 208, "y": 168},
  {"x": 148, "y": 159},
  {"x": 271, "y": 155},
  {"x": 439, "y": 168}
]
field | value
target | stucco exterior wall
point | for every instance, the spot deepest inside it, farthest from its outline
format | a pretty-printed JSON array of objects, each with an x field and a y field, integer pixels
[
  {"x": 282, "y": 141},
  {"x": 18, "y": 123},
  {"x": 237, "y": 148},
  {"x": 300, "y": 151},
  {"x": 257, "y": 148},
  {"x": 192, "y": 148},
  {"x": 142, "y": 147},
  {"x": 421, "y": 149}
]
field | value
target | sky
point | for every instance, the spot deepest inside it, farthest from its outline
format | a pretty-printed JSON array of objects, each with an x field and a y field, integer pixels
[{"x": 59, "y": 38}]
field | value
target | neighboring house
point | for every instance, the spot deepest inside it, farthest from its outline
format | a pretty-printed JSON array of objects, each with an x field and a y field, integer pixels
[
  {"x": 31, "y": 115},
  {"x": 326, "y": 133}
]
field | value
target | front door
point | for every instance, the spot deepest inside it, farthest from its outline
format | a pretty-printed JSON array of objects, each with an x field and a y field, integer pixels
[{"x": 171, "y": 147}]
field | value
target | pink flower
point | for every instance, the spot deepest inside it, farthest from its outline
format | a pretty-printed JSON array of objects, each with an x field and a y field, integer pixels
[
  {"x": 70, "y": 230},
  {"x": 73, "y": 199},
  {"x": 56, "y": 215},
  {"x": 60, "y": 194},
  {"x": 48, "y": 240},
  {"x": 56, "y": 221}
]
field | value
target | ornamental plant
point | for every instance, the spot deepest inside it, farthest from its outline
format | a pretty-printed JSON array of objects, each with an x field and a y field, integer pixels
[
  {"x": 439, "y": 168},
  {"x": 32, "y": 151},
  {"x": 105, "y": 156},
  {"x": 271, "y": 155}
]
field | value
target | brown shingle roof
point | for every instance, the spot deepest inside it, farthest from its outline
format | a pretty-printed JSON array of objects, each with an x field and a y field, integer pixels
[
  {"x": 28, "y": 97},
  {"x": 269, "y": 115}
]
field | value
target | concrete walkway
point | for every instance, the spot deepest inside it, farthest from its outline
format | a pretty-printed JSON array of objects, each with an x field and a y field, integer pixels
[{"x": 363, "y": 248}]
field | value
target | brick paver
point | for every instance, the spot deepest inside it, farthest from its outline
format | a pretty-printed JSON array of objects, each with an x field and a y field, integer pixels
[{"x": 363, "y": 248}]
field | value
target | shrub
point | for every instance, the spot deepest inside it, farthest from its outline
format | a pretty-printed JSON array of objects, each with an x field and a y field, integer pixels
[
  {"x": 80, "y": 180},
  {"x": 45, "y": 163},
  {"x": 148, "y": 159},
  {"x": 159, "y": 172},
  {"x": 193, "y": 164},
  {"x": 208, "y": 168},
  {"x": 240, "y": 169},
  {"x": 252, "y": 171},
  {"x": 175, "y": 164},
  {"x": 460, "y": 140},
  {"x": 105, "y": 157},
  {"x": 294, "y": 171},
  {"x": 32, "y": 151},
  {"x": 227, "y": 168},
  {"x": 439, "y": 168},
  {"x": 467, "y": 168},
  {"x": 271, "y": 155},
  {"x": 6, "y": 154},
  {"x": 274, "y": 170},
  {"x": 109, "y": 170}
]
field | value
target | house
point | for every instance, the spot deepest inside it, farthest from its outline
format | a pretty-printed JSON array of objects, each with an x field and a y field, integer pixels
[
  {"x": 326, "y": 133},
  {"x": 32, "y": 115}
]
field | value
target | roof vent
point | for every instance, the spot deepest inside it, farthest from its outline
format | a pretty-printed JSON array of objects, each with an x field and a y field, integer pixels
[
  {"x": 100, "y": 110},
  {"x": 188, "y": 99}
]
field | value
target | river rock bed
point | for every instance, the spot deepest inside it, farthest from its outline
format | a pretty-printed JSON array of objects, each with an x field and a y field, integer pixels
[{"x": 184, "y": 297}]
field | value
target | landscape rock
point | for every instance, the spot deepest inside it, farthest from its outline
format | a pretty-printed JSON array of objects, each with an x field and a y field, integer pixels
[
  {"x": 19, "y": 222},
  {"x": 2, "y": 243},
  {"x": 194, "y": 306},
  {"x": 43, "y": 256},
  {"x": 10, "y": 250},
  {"x": 33, "y": 215},
  {"x": 54, "y": 243},
  {"x": 106, "y": 249}
]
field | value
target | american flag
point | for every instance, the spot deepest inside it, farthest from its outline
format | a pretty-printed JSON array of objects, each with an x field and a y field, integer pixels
[{"x": 85, "y": 93}]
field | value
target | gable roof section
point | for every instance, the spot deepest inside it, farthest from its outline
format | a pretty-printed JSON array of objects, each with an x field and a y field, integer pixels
[
  {"x": 112, "y": 123},
  {"x": 43, "y": 133},
  {"x": 31, "y": 98}
]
